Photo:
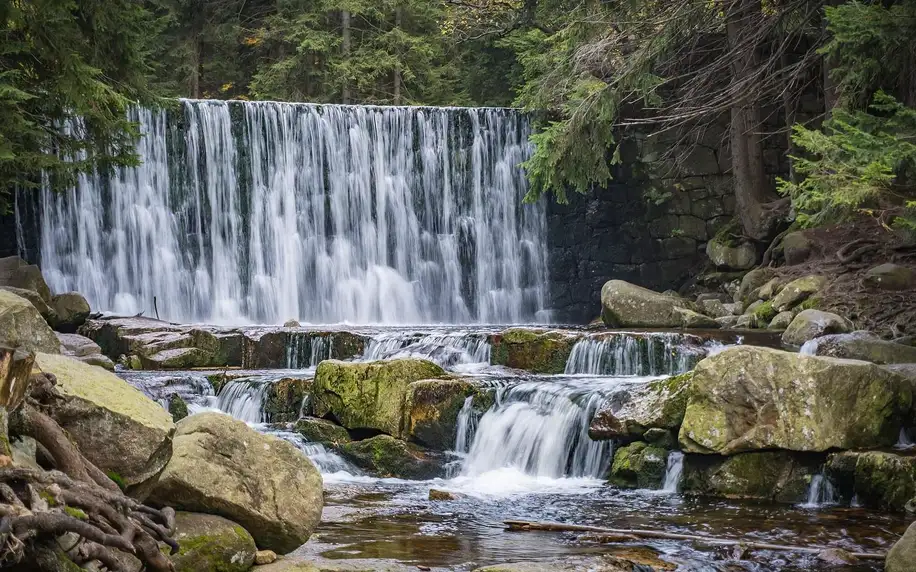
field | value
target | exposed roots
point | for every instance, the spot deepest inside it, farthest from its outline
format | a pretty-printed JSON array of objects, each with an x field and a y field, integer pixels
[{"x": 76, "y": 500}]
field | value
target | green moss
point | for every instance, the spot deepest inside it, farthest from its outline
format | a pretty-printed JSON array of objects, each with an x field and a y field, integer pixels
[
  {"x": 48, "y": 498},
  {"x": 639, "y": 465},
  {"x": 730, "y": 234},
  {"x": 810, "y": 304},
  {"x": 536, "y": 351},
  {"x": 322, "y": 431},
  {"x": 389, "y": 457},
  {"x": 177, "y": 407},
  {"x": 118, "y": 479},
  {"x": 76, "y": 513},
  {"x": 676, "y": 389},
  {"x": 764, "y": 313}
]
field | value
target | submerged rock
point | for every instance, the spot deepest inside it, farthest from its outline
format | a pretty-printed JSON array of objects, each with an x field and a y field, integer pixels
[
  {"x": 902, "y": 554},
  {"x": 368, "y": 395},
  {"x": 431, "y": 411},
  {"x": 749, "y": 398},
  {"x": 627, "y": 305},
  {"x": 537, "y": 351},
  {"x": 864, "y": 346},
  {"x": 23, "y": 327},
  {"x": 778, "y": 476},
  {"x": 222, "y": 466},
  {"x": 116, "y": 427},
  {"x": 386, "y": 456},
  {"x": 878, "y": 479},
  {"x": 209, "y": 542},
  {"x": 629, "y": 413},
  {"x": 639, "y": 465},
  {"x": 810, "y": 324}
]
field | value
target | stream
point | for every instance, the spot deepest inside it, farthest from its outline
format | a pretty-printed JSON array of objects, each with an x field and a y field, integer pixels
[{"x": 529, "y": 457}]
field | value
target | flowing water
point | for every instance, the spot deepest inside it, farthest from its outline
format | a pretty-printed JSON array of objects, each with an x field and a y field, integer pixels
[{"x": 262, "y": 212}]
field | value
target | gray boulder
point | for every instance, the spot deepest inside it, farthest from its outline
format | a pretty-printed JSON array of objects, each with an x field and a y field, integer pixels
[
  {"x": 797, "y": 291},
  {"x": 17, "y": 273},
  {"x": 70, "y": 311},
  {"x": 735, "y": 257},
  {"x": 810, "y": 324},
  {"x": 22, "y": 326},
  {"x": 863, "y": 346},
  {"x": 902, "y": 554},
  {"x": 891, "y": 277},
  {"x": 209, "y": 542},
  {"x": 627, "y": 305}
]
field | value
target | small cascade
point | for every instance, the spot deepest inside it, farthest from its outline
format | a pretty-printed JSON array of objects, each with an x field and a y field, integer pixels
[
  {"x": 673, "y": 472},
  {"x": 820, "y": 492},
  {"x": 243, "y": 399},
  {"x": 904, "y": 441},
  {"x": 466, "y": 426},
  {"x": 809, "y": 348},
  {"x": 630, "y": 354},
  {"x": 305, "y": 350},
  {"x": 327, "y": 462},
  {"x": 446, "y": 349},
  {"x": 541, "y": 429}
]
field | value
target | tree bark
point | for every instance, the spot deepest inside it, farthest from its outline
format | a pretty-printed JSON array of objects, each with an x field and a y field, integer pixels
[{"x": 751, "y": 185}]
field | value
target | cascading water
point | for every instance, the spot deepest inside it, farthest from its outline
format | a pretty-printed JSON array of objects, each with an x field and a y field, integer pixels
[
  {"x": 673, "y": 472},
  {"x": 820, "y": 492},
  {"x": 264, "y": 211},
  {"x": 304, "y": 350},
  {"x": 445, "y": 348},
  {"x": 243, "y": 400},
  {"x": 631, "y": 354}
]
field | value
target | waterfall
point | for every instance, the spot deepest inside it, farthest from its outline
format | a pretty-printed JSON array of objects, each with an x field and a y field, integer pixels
[
  {"x": 632, "y": 354},
  {"x": 306, "y": 350},
  {"x": 541, "y": 429},
  {"x": 673, "y": 472},
  {"x": 445, "y": 348},
  {"x": 466, "y": 426},
  {"x": 243, "y": 400},
  {"x": 264, "y": 211},
  {"x": 820, "y": 492},
  {"x": 904, "y": 441}
]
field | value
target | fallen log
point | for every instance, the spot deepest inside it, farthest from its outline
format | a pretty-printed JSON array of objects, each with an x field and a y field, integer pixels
[{"x": 523, "y": 526}]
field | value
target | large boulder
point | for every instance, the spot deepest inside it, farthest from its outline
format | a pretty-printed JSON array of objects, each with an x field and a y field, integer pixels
[
  {"x": 368, "y": 395},
  {"x": 879, "y": 479},
  {"x": 625, "y": 305},
  {"x": 639, "y": 466},
  {"x": 322, "y": 431},
  {"x": 740, "y": 256},
  {"x": 537, "y": 351},
  {"x": 22, "y": 326},
  {"x": 116, "y": 427},
  {"x": 797, "y": 291},
  {"x": 864, "y": 346},
  {"x": 778, "y": 476},
  {"x": 83, "y": 349},
  {"x": 222, "y": 466},
  {"x": 796, "y": 247},
  {"x": 385, "y": 456},
  {"x": 209, "y": 542},
  {"x": 35, "y": 299},
  {"x": 432, "y": 408},
  {"x": 630, "y": 412},
  {"x": 70, "y": 311},
  {"x": 17, "y": 273},
  {"x": 752, "y": 282},
  {"x": 891, "y": 277},
  {"x": 749, "y": 398},
  {"x": 810, "y": 324},
  {"x": 902, "y": 554},
  {"x": 112, "y": 334}
]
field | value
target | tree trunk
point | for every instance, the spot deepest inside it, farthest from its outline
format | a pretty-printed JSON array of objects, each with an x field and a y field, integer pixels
[
  {"x": 345, "y": 49},
  {"x": 831, "y": 89},
  {"x": 398, "y": 16},
  {"x": 751, "y": 185}
]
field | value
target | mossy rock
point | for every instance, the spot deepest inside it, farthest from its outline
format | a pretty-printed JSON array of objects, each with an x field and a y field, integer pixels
[
  {"x": 797, "y": 291},
  {"x": 810, "y": 324},
  {"x": 284, "y": 398},
  {"x": 778, "y": 476},
  {"x": 177, "y": 407},
  {"x": 368, "y": 395},
  {"x": 879, "y": 480},
  {"x": 385, "y": 456},
  {"x": 625, "y": 305},
  {"x": 322, "y": 431},
  {"x": 432, "y": 408},
  {"x": 639, "y": 465},
  {"x": 902, "y": 554},
  {"x": 212, "y": 543},
  {"x": 630, "y": 413},
  {"x": 537, "y": 351}
]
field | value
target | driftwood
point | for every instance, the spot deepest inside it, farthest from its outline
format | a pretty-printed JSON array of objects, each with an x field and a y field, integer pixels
[
  {"x": 38, "y": 507},
  {"x": 522, "y": 526}
]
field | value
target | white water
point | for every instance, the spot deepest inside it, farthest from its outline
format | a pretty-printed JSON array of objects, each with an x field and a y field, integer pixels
[
  {"x": 305, "y": 351},
  {"x": 262, "y": 212},
  {"x": 448, "y": 349},
  {"x": 820, "y": 492},
  {"x": 904, "y": 441},
  {"x": 630, "y": 354},
  {"x": 243, "y": 400},
  {"x": 673, "y": 472}
]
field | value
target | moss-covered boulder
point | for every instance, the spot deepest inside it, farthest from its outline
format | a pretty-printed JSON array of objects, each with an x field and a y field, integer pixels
[
  {"x": 537, "y": 351},
  {"x": 751, "y": 284},
  {"x": 178, "y": 409},
  {"x": 902, "y": 555},
  {"x": 116, "y": 427},
  {"x": 749, "y": 398},
  {"x": 810, "y": 324},
  {"x": 879, "y": 479},
  {"x": 222, "y": 466},
  {"x": 890, "y": 277},
  {"x": 71, "y": 310},
  {"x": 35, "y": 299},
  {"x": 322, "y": 431},
  {"x": 283, "y": 401},
  {"x": 629, "y": 413},
  {"x": 734, "y": 256},
  {"x": 628, "y": 305},
  {"x": 22, "y": 326},
  {"x": 797, "y": 291},
  {"x": 639, "y": 466},
  {"x": 211, "y": 543},
  {"x": 781, "y": 320},
  {"x": 864, "y": 346},
  {"x": 368, "y": 395},
  {"x": 431, "y": 411},
  {"x": 385, "y": 456},
  {"x": 778, "y": 476}
]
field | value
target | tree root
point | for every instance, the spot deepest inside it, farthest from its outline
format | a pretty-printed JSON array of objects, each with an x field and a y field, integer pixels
[
  {"x": 38, "y": 506},
  {"x": 846, "y": 257}
]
